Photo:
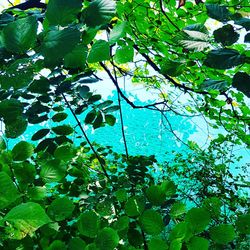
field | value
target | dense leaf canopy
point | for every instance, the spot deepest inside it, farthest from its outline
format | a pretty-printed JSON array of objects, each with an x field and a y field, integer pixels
[{"x": 57, "y": 193}]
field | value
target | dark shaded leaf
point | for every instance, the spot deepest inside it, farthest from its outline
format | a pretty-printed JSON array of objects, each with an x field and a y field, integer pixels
[
  {"x": 241, "y": 81},
  {"x": 224, "y": 59},
  {"x": 40, "y": 134},
  {"x": 218, "y": 12},
  {"x": 226, "y": 35}
]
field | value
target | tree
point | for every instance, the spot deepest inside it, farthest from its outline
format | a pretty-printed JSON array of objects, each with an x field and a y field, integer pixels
[{"x": 58, "y": 194}]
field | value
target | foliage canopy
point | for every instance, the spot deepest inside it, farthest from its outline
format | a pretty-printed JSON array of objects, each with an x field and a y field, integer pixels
[{"x": 56, "y": 194}]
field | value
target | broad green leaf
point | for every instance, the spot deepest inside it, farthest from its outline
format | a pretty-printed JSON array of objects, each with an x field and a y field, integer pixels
[
  {"x": 57, "y": 244},
  {"x": 224, "y": 59},
  {"x": 213, "y": 205},
  {"x": 134, "y": 206},
  {"x": 25, "y": 172},
  {"x": 8, "y": 191},
  {"x": 244, "y": 22},
  {"x": 76, "y": 244},
  {"x": 94, "y": 98},
  {"x": 60, "y": 209},
  {"x": 90, "y": 117},
  {"x": 16, "y": 128},
  {"x": 63, "y": 130},
  {"x": 101, "y": 10},
  {"x": 64, "y": 152},
  {"x": 99, "y": 52},
  {"x": 247, "y": 38},
  {"x": 181, "y": 231},
  {"x": 59, "y": 117},
  {"x": 243, "y": 223},
  {"x": 210, "y": 84},
  {"x": 84, "y": 91},
  {"x": 172, "y": 68},
  {"x": 25, "y": 219},
  {"x": 117, "y": 32},
  {"x": 2, "y": 144},
  {"x": 222, "y": 234},
  {"x": 168, "y": 188},
  {"x": 198, "y": 218},
  {"x": 218, "y": 12},
  {"x": 110, "y": 120},
  {"x": 241, "y": 81},
  {"x": 58, "y": 43},
  {"x": 88, "y": 224},
  {"x": 20, "y": 35},
  {"x": 40, "y": 134},
  {"x": 41, "y": 86},
  {"x": 97, "y": 123},
  {"x": 17, "y": 75},
  {"x": 122, "y": 223},
  {"x": 198, "y": 243},
  {"x": 192, "y": 39},
  {"x": 111, "y": 109},
  {"x": 197, "y": 27},
  {"x": 124, "y": 54},
  {"x": 22, "y": 151},
  {"x": 151, "y": 222},
  {"x": 76, "y": 58},
  {"x": 176, "y": 244},
  {"x": 107, "y": 239},
  {"x": 121, "y": 195},
  {"x": 226, "y": 35},
  {"x": 177, "y": 209},
  {"x": 10, "y": 109},
  {"x": 155, "y": 195},
  {"x": 53, "y": 171},
  {"x": 157, "y": 244},
  {"x": 37, "y": 193},
  {"x": 135, "y": 238},
  {"x": 62, "y": 12}
]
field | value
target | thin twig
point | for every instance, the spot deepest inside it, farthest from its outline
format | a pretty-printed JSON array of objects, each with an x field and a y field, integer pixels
[{"x": 86, "y": 137}]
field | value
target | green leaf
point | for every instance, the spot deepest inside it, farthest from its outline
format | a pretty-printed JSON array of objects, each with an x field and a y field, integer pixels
[
  {"x": 58, "y": 43},
  {"x": 111, "y": 109},
  {"x": 177, "y": 209},
  {"x": 99, "y": 52},
  {"x": 244, "y": 22},
  {"x": 37, "y": 193},
  {"x": 20, "y": 35},
  {"x": 226, "y": 35},
  {"x": 2, "y": 144},
  {"x": 117, "y": 32},
  {"x": 84, "y": 91},
  {"x": 10, "y": 109},
  {"x": 218, "y": 12},
  {"x": 171, "y": 68},
  {"x": 168, "y": 188},
  {"x": 76, "y": 244},
  {"x": 101, "y": 10},
  {"x": 8, "y": 191},
  {"x": 107, "y": 239},
  {"x": 176, "y": 244},
  {"x": 155, "y": 195},
  {"x": 151, "y": 222},
  {"x": 60, "y": 209},
  {"x": 241, "y": 81},
  {"x": 198, "y": 243},
  {"x": 62, "y": 12},
  {"x": 110, "y": 120},
  {"x": 247, "y": 38},
  {"x": 16, "y": 128},
  {"x": 25, "y": 219},
  {"x": 88, "y": 224},
  {"x": 63, "y": 130},
  {"x": 210, "y": 84},
  {"x": 134, "y": 206},
  {"x": 222, "y": 234},
  {"x": 224, "y": 59},
  {"x": 98, "y": 120},
  {"x": 122, "y": 223},
  {"x": 77, "y": 57},
  {"x": 181, "y": 231},
  {"x": 121, "y": 195},
  {"x": 22, "y": 151},
  {"x": 64, "y": 152},
  {"x": 59, "y": 117},
  {"x": 57, "y": 244},
  {"x": 157, "y": 244},
  {"x": 192, "y": 39},
  {"x": 40, "y": 134},
  {"x": 90, "y": 117},
  {"x": 124, "y": 54},
  {"x": 243, "y": 224},
  {"x": 197, "y": 27},
  {"x": 213, "y": 205},
  {"x": 41, "y": 86},
  {"x": 198, "y": 218},
  {"x": 53, "y": 171}
]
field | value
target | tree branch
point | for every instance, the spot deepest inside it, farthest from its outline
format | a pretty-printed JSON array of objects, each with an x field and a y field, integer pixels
[{"x": 29, "y": 5}]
